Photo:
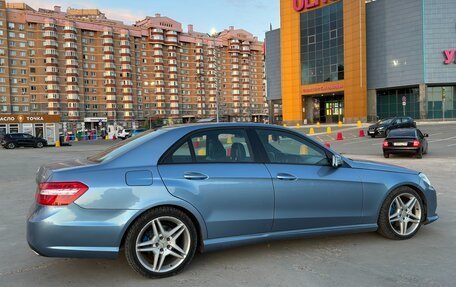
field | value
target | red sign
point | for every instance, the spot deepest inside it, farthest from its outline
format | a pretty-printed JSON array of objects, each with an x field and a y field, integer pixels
[
  {"x": 449, "y": 56},
  {"x": 300, "y": 5}
]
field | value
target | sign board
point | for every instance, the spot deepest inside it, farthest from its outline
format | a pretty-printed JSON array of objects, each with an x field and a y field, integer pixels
[
  {"x": 404, "y": 103},
  {"x": 300, "y": 5},
  {"x": 30, "y": 119},
  {"x": 95, "y": 120},
  {"x": 404, "y": 99}
]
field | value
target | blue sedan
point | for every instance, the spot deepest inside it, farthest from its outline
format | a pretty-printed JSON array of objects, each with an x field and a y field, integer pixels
[{"x": 165, "y": 194}]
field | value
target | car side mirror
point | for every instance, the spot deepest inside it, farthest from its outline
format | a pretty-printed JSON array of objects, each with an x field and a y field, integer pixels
[
  {"x": 426, "y": 135},
  {"x": 337, "y": 161}
]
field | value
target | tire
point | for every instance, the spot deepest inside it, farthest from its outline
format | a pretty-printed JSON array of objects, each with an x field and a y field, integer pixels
[
  {"x": 11, "y": 146},
  {"x": 39, "y": 145},
  {"x": 419, "y": 154},
  {"x": 386, "y": 155},
  {"x": 391, "y": 210},
  {"x": 372, "y": 136},
  {"x": 146, "y": 229}
]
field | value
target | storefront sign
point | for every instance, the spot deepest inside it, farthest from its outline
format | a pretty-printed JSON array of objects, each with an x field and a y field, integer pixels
[
  {"x": 95, "y": 120},
  {"x": 449, "y": 56},
  {"x": 300, "y": 5},
  {"x": 29, "y": 119},
  {"x": 323, "y": 89}
]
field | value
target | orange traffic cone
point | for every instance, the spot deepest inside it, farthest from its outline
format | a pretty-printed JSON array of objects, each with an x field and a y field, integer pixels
[
  {"x": 327, "y": 144},
  {"x": 361, "y": 133},
  {"x": 340, "y": 136}
]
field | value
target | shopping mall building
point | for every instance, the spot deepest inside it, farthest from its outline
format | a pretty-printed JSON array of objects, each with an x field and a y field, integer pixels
[{"x": 357, "y": 60}]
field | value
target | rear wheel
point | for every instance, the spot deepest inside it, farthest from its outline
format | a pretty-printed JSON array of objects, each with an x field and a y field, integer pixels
[
  {"x": 11, "y": 146},
  {"x": 39, "y": 145},
  {"x": 386, "y": 155},
  {"x": 161, "y": 242},
  {"x": 419, "y": 154},
  {"x": 401, "y": 214}
]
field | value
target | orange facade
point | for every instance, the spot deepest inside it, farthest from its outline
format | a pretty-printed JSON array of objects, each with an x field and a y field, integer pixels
[{"x": 354, "y": 85}]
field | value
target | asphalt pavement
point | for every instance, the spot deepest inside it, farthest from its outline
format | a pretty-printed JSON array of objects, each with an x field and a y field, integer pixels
[{"x": 367, "y": 259}]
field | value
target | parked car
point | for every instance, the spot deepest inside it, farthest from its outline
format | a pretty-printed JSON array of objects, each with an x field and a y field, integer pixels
[
  {"x": 383, "y": 127},
  {"x": 165, "y": 194},
  {"x": 135, "y": 132},
  {"x": 123, "y": 134},
  {"x": 11, "y": 141},
  {"x": 405, "y": 141}
]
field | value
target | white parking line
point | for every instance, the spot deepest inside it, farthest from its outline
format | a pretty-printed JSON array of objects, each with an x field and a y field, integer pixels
[
  {"x": 452, "y": 145},
  {"x": 355, "y": 142},
  {"x": 441, "y": 140}
]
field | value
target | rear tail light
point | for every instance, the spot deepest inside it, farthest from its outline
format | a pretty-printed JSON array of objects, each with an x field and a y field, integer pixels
[
  {"x": 416, "y": 143},
  {"x": 59, "y": 193},
  {"x": 385, "y": 143}
]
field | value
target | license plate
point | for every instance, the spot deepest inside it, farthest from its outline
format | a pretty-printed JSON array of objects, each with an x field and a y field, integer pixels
[
  {"x": 400, "y": 144},
  {"x": 370, "y": 132}
]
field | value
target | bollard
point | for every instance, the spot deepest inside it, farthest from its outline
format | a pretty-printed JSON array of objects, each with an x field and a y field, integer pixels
[
  {"x": 298, "y": 125},
  {"x": 311, "y": 132},
  {"x": 328, "y": 130},
  {"x": 202, "y": 151},
  {"x": 229, "y": 140},
  {"x": 340, "y": 137},
  {"x": 57, "y": 144},
  {"x": 339, "y": 124},
  {"x": 361, "y": 133},
  {"x": 303, "y": 150},
  {"x": 107, "y": 137},
  {"x": 327, "y": 144},
  {"x": 318, "y": 124},
  {"x": 228, "y": 151},
  {"x": 285, "y": 125},
  {"x": 196, "y": 144},
  {"x": 359, "y": 124}
]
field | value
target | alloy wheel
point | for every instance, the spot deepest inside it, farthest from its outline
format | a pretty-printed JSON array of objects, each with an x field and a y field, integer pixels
[
  {"x": 163, "y": 244},
  {"x": 405, "y": 214}
]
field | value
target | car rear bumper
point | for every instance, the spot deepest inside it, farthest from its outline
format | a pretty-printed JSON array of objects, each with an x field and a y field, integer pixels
[
  {"x": 405, "y": 150},
  {"x": 72, "y": 231}
]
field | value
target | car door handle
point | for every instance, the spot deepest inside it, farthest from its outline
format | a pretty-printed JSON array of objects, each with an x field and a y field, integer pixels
[
  {"x": 286, "y": 176},
  {"x": 195, "y": 176}
]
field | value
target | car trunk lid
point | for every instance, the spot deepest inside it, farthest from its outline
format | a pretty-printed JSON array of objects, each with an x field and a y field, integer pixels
[{"x": 45, "y": 172}]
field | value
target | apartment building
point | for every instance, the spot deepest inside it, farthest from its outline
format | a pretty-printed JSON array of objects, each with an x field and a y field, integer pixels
[{"x": 86, "y": 68}]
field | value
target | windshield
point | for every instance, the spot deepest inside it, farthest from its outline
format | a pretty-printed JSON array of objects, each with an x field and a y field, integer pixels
[
  {"x": 385, "y": 122},
  {"x": 126, "y": 145}
]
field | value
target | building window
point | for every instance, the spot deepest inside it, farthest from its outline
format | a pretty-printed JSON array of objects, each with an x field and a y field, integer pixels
[{"x": 322, "y": 44}]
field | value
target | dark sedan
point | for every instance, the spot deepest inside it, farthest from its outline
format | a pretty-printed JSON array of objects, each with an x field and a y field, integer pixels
[
  {"x": 383, "y": 127},
  {"x": 405, "y": 141},
  {"x": 11, "y": 141}
]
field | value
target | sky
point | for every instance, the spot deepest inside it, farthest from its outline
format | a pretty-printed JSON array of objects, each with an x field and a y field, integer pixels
[{"x": 254, "y": 16}]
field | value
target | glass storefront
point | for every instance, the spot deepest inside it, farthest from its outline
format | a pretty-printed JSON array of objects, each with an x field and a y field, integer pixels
[
  {"x": 389, "y": 103},
  {"x": 440, "y": 98},
  {"x": 328, "y": 108},
  {"x": 322, "y": 44}
]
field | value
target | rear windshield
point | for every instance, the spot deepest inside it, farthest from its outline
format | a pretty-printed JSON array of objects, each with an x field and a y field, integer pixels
[
  {"x": 126, "y": 145},
  {"x": 402, "y": 133}
]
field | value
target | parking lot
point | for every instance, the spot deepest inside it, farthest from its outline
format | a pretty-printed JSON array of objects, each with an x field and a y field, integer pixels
[{"x": 349, "y": 260}]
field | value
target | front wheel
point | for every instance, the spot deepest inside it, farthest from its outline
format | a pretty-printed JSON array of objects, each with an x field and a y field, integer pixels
[
  {"x": 39, "y": 145},
  {"x": 11, "y": 146},
  {"x": 401, "y": 214},
  {"x": 161, "y": 243}
]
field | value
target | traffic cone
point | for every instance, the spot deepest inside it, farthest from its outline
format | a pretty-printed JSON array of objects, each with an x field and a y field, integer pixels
[
  {"x": 304, "y": 150},
  {"x": 202, "y": 151},
  {"x": 114, "y": 137},
  {"x": 285, "y": 125},
  {"x": 298, "y": 125},
  {"x": 327, "y": 144},
  {"x": 318, "y": 124},
  {"x": 359, "y": 124},
  {"x": 228, "y": 152},
  {"x": 339, "y": 124},
  {"x": 361, "y": 133},
  {"x": 311, "y": 132},
  {"x": 107, "y": 138},
  {"x": 57, "y": 144},
  {"x": 340, "y": 137},
  {"x": 328, "y": 130},
  {"x": 196, "y": 144}
]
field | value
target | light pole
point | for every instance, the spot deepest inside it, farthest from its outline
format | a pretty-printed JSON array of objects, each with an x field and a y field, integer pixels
[{"x": 443, "y": 103}]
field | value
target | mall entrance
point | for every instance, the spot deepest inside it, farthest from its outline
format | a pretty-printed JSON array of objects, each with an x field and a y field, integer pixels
[{"x": 327, "y": 108}]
